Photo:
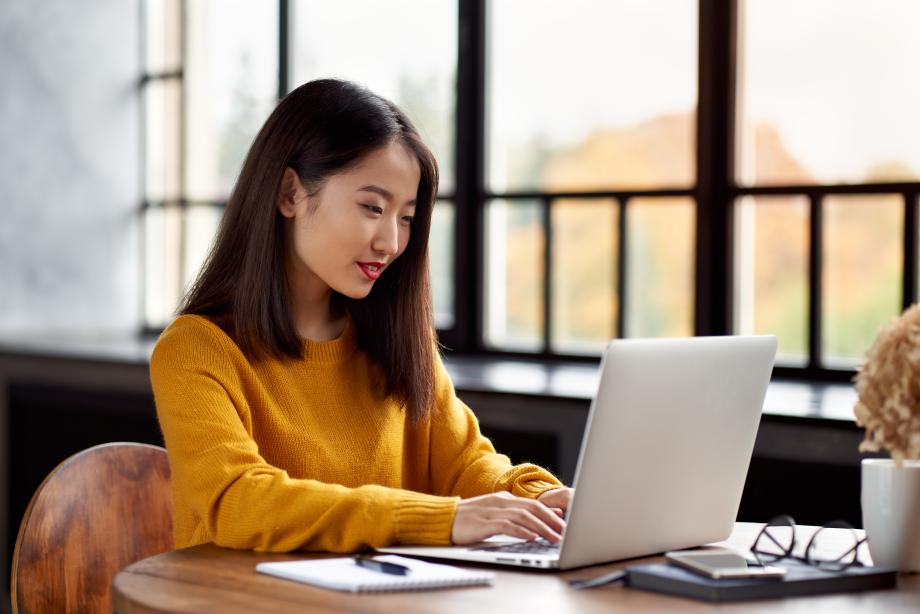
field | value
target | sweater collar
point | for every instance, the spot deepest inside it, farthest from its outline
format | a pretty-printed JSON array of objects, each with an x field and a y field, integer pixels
[{"x": 334, "y": 350}]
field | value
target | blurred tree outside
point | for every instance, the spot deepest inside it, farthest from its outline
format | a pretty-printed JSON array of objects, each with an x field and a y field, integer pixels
[
  {"x": 522, "y": 242},
  {"x": 779, "y": 237},
  {"x": 861, "y": 245},
  {"x": 862, "y": 270},
  {"x": 584, "y": 273},
  {"x": 656, "y": 153},
  {"x": 660, "y": 267}
]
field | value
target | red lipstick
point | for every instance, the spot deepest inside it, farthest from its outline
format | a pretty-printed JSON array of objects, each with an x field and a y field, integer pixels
[{"x": 371, "y": 270}]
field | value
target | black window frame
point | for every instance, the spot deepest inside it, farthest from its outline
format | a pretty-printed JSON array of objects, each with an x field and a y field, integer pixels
[
  {"x": 725, "y": 15},
  {"x": 712, "y": 281}
]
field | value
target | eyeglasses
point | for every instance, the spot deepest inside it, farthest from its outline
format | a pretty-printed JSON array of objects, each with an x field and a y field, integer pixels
[{"x": 827, "y": 549}]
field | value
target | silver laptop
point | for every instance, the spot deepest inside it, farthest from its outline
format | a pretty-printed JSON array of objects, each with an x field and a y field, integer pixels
[{"x": 666, "y": 449}]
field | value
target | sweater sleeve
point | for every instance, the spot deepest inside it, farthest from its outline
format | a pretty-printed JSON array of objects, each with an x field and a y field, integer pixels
[
  {"x": 464, "y": 462},
  {"x": 244, "y": 502}
]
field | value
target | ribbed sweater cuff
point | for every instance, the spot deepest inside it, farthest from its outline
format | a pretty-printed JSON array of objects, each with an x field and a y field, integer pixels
[
  {"x": 425, "y": 520},
  {"x": 533, "y": 488}
]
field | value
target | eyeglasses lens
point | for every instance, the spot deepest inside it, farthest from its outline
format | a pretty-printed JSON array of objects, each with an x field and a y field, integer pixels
[
  {"x": 775, "y": 541},
  {"x": 833, "y": 547}
]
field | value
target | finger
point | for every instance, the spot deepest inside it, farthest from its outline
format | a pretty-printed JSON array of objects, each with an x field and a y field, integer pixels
[
  {"x": 530, "y": 522},
  {"x": 510, "y": 528},
  {"x": 490, "y": 528},
  {"x": 545, "y": 514},
  {"x": 560, "y": 497},
  {"x": 537, "y": 508},
  {"x": 559, "y": 511},
  {"x": 475, "y": 525}
]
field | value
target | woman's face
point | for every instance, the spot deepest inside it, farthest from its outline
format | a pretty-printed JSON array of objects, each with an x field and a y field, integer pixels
[{"x": 344, "y": 237}]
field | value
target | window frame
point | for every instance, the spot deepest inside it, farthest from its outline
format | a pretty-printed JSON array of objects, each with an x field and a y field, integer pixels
[
  {"x": 177, "y": 201},
  {"x": 714, "y": 192},
  {"x": 726, "y": 15},
  {"x": 468, "y": 334}
]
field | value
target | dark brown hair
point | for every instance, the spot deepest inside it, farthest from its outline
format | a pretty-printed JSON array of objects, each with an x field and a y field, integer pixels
[{"x": 322, "y": 128}]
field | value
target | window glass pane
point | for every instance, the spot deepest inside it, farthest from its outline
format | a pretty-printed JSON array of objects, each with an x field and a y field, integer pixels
[
  {"x": 405, "y": 50},
  {"x": 162, "y": 155},
  {"x": 200, "y": 228},
  {"x": 591, "y": 95},
  {"x": 771, "y": 272},
  {"x": 441, "y": 252},
  {"x": 584, "y": 274},
  {"x": 163, "y": 35},
  {"x": 862, "y": 272},
  {"x": 162, "y": 233},
  {"x": 515, "y": 243},
  {"x": 847, "y": 110},
  {"x": 232, "y": 85},
  {"x": 659, "y": 261}
]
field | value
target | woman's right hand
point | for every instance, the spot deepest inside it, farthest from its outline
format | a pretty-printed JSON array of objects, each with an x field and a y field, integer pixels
[{"x": 502, "y": 513}]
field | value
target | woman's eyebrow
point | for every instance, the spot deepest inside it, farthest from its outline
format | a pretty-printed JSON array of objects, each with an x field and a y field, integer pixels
[{"x": 376, "y": 189}]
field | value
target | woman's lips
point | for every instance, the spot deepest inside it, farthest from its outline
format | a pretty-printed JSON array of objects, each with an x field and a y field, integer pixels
[{"x": 371, "y": 270}]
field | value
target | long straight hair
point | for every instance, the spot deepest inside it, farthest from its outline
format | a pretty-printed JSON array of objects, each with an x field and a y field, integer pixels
[{"x": 322, "y": 128}]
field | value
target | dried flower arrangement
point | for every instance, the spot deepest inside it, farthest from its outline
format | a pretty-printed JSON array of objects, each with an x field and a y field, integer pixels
[{"x": 888, "y": 385}]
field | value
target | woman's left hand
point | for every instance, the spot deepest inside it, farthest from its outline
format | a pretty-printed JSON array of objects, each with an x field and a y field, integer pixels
[{"x": 557, "y": 499}]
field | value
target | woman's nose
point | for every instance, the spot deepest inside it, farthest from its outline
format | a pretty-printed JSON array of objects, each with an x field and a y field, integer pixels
[{"x": 386, "y": 241}]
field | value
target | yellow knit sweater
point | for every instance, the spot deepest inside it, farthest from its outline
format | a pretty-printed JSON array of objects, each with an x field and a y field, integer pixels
[{"x": 282, "y": 455}]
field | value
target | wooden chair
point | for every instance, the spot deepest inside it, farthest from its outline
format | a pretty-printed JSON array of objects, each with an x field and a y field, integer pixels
[{"x": 97, "y": 512}]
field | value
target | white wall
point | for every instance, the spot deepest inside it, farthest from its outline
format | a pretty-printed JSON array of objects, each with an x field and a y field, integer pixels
[
  {"x": 69, "y": 165},
  {"x": 69, "y": 173}
]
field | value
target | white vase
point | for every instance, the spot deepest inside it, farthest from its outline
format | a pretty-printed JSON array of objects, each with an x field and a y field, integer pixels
[{"x": 891, "y": 512}]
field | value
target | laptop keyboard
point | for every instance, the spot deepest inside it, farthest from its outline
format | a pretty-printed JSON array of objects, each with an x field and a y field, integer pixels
[{"x": 534, "y": 547}]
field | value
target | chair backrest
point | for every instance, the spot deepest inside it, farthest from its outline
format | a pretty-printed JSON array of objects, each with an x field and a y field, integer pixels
[{"x": 97, "y": 512}]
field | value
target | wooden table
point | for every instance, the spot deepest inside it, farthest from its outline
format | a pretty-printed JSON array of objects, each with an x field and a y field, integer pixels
[{"x": 210, "y": 579}]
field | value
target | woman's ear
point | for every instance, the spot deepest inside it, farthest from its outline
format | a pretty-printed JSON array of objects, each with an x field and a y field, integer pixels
[{"x": 290, "y": 193}]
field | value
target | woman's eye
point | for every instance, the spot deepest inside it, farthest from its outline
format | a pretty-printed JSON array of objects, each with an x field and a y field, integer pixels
[
  {"x": 408, "y": 220},
  {"x": 373, "y": 209}
]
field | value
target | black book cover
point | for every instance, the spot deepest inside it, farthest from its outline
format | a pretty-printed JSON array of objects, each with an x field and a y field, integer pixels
[{"x": 800, "y": 580}]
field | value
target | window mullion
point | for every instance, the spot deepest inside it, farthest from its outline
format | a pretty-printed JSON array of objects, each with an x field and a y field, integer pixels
[
  {"x": 909, "y": 291},
  {"x": 284, "y": 52},
  {"x": 621, "y": 238},
  {"x": 815, "y": 291},
  {"x": 469, "y": 272},
  {"x": 715, "y": 164}
]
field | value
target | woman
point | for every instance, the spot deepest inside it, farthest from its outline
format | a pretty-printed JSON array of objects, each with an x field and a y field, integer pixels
[{"x": 300, "y": 393}]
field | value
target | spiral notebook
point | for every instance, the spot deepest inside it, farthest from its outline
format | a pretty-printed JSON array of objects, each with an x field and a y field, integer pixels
[{"x": 342, "y": 574}]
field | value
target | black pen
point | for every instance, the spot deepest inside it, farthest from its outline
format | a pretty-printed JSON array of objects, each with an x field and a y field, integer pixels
[{"x": 381, "y": 566}]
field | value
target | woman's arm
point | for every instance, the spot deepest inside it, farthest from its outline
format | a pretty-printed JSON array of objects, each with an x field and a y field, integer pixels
[
  {"x": 464, "y": 463},
  {"x": 523, "y": 501},
  {"x": 242, "y": 500}
]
